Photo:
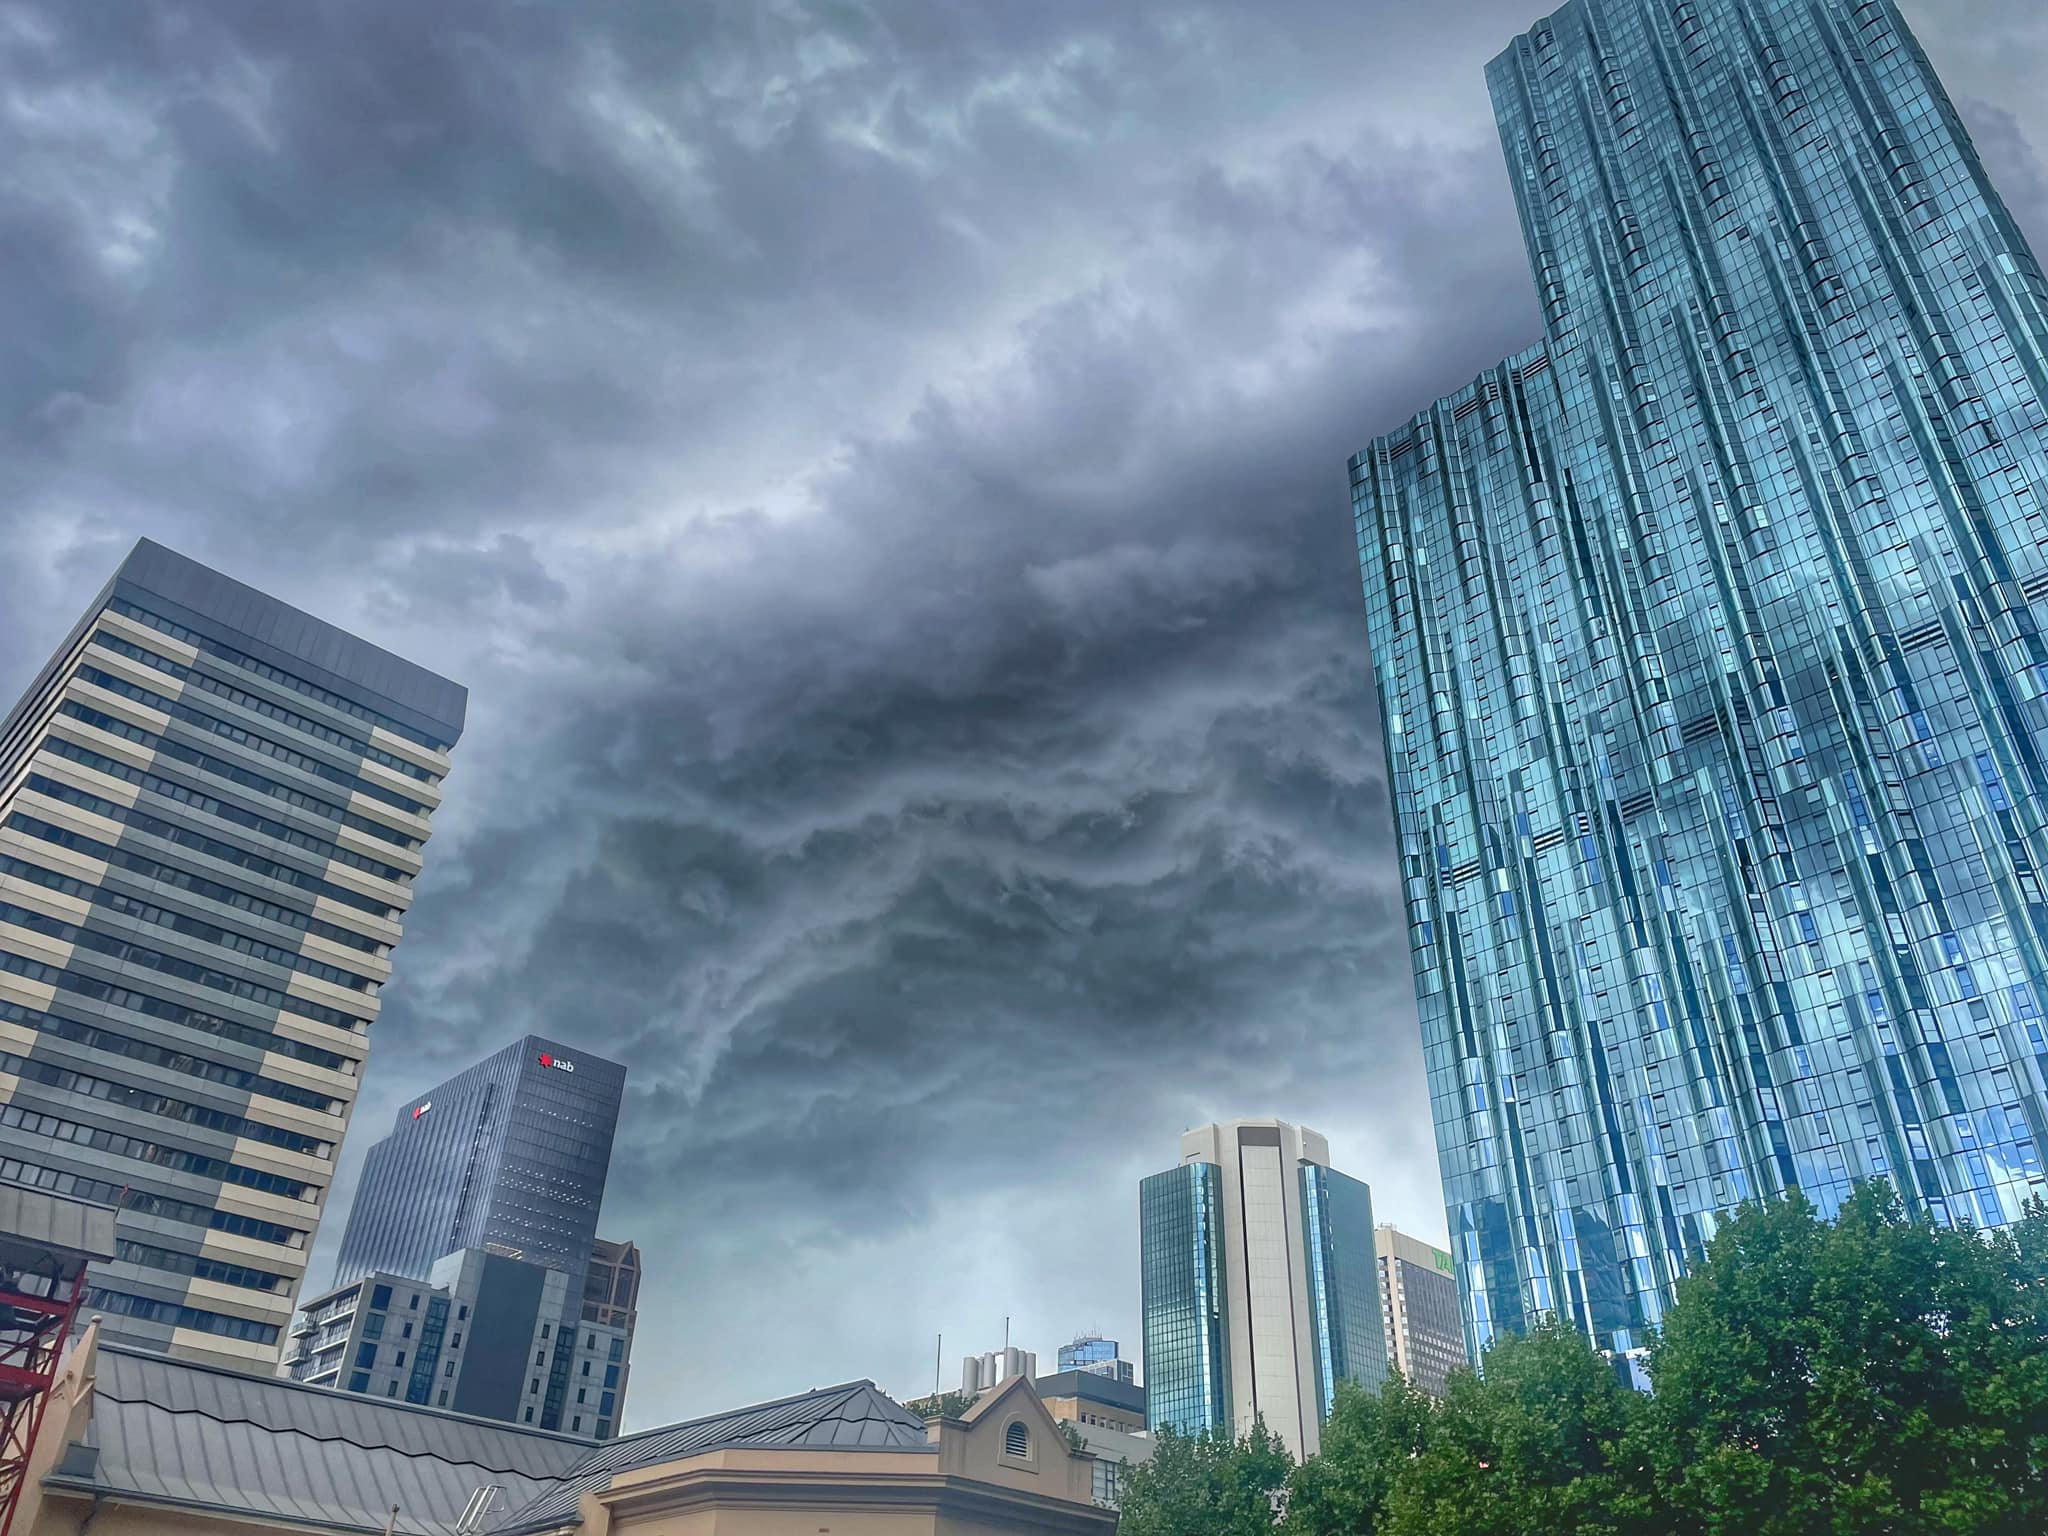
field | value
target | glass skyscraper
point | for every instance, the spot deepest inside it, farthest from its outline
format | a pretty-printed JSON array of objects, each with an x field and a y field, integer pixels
[
  {"x": 1710, "y": 668},
  {"x": 509, "y": 1156},
  {"x": 212, "y": 810},
  {"x": 1260, "y": 1291}
]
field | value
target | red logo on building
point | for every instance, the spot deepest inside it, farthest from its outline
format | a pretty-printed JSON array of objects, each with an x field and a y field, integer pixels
[{"x": 422, "y": 1109}]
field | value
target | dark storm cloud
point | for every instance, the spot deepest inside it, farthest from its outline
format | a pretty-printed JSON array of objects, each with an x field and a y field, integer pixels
[{"x": 880, "y": 470}]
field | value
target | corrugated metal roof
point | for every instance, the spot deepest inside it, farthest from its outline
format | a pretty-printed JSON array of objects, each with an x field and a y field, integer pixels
[
  {"x": 856, "y": 1416},
  {"x": 172, "y": 1431},
  {"x": 177, "y": 1432}
]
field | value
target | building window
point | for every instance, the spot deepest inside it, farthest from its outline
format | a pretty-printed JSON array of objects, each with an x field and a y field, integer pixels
[
  {"x": 529, "y": 1416},
  {"x": 576, "y": 1424},
  {"x": 544, "y": 1329},
  {"x": 579, "y": 1394},
  {"x": 456, "y": 1342},
  {"x": 1017, "y": 1441},
  {"x": 380, "y": 1297},
  {"x": 451, "y": 1369},
  {"x": 401, "y": 1358},
  {"x": 533, "y": 1385},
  {"x": 408, "y": 1332},
  {"x": 359, "y": 1382},
  {"x": 391, "y": 1390},
  {"x": 586, "y": 1367},
  {"x": 444, "y": 1398},
  {"x": 540, "y": 1357},
  {"x": 414, "y": 1304}
]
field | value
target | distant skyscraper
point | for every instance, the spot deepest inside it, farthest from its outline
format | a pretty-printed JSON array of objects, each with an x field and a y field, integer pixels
[
  {"x": 212, "y": 809},
  {"x": 1710, "y": 665},
  {"x": 508, "y": 1156},
  {"x": 611, "y": 1297},
  {"x": 1260, "y": 1292},
  {"x": 1097, "y": 1356},
  {"x": 1419, "y": 1300}
]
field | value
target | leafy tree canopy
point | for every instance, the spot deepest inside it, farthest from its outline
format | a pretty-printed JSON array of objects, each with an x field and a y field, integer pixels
[{"x": 1871, "y": 1376}]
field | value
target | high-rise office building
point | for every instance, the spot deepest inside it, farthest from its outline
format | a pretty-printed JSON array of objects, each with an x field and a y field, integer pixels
[
  {"x": 212, "y": 810},
  {"x": 611, "y": 1298},
  {"x": 1710, "y": 665},
  {"x": 509, "y": 1157},
  {"x": 1419, "y": 1301},
  {"x": 1098, "y": 1356},
  {"x": 1260, "y": 1292}
]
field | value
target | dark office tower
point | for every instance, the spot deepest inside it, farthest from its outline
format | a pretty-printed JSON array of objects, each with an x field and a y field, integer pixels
[
  {"x": 1710, "y": 664},
  {"x": 509, "y": 1157},
  {"x": 212, "y": 809}
]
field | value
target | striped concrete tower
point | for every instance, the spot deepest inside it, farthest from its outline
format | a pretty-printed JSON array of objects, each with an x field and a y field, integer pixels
[{"x": 212, "y": 811}]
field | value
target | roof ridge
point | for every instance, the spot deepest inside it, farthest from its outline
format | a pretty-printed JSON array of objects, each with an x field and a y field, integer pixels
[{"x": 843, "y": 1388}]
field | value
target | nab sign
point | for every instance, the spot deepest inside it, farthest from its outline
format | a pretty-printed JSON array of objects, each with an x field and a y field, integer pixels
[{"x": 558, "y": 1064}]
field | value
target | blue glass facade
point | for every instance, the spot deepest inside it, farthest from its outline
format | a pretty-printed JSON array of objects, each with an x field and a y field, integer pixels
[
  {"x": 1708, "y": 650},
  {"x": 1187, "y": 1347},
  {"x": 1347, "y": 1330}
]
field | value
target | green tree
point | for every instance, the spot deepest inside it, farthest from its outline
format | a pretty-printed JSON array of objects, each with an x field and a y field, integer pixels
[
  {"x": 1207, "y": 1485},
  {"x": 1370, "y": 1438},
  {"x": 1540, "y": 1443},
  {"x": 1877, "y": 1374}
]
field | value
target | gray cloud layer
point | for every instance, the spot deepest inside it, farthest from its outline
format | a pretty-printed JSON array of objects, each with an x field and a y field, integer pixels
[{"x": 880, "y": 469}]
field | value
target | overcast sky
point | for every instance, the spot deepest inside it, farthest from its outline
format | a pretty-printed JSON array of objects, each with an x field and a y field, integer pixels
[{"x": 878, "y": 466}]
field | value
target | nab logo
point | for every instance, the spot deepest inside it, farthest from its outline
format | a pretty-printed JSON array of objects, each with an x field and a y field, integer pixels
[
  {"x": 422, "y": 1109},
  {"x": 558, "y": 1064}
]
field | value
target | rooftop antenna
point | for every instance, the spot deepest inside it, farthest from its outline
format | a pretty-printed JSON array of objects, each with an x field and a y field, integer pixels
[{"x": 938, "y": 1365}]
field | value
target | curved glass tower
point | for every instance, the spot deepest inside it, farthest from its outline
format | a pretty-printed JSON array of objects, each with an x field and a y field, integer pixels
[{"x": 1709, "y": 660}]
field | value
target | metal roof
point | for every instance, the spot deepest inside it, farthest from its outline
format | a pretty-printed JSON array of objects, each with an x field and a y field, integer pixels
[
  {"x": 856, "y": 1416},
  {"x": 179, "y": 1433}
]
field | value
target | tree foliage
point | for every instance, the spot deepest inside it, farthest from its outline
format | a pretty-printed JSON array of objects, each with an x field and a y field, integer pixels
[
  {"x": 1206, "y": 1485},
  {"x": 1871, "y": 1376}
]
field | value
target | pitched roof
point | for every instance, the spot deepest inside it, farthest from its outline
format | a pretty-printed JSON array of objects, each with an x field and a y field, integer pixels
[
  {"x": 855, "y": 1416},
  {"x": 181, "y": 1433}
]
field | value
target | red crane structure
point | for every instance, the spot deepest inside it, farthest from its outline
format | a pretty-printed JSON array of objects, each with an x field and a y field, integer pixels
[{"x": 46, "y": 1243}]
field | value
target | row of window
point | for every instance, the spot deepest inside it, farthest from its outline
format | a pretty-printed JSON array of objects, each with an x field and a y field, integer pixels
[
  {"x": 114, "y": 1043},
  {"x": 211, "y": 805},
  {"x": 253, "y": 741},
  {"x": 278, "y": 675},
  {"x": 222, "y": 768},
  {"x": 189, "y": 1017},
  {"x": 257, "y": 704},
  {"x": 185, "y": 880},
  {"x": 179, "y": 922},
  {"x": 176, "y": 1261},
  {"x": 121, "y": 1304},
  {"x": 227, "y": 853},
  {"x": 144, "y": 1102},
  {"x": 56, "y": 1128},
  {"x": 170, "y": 965},
  {"x": 123, "y": 1196}
]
